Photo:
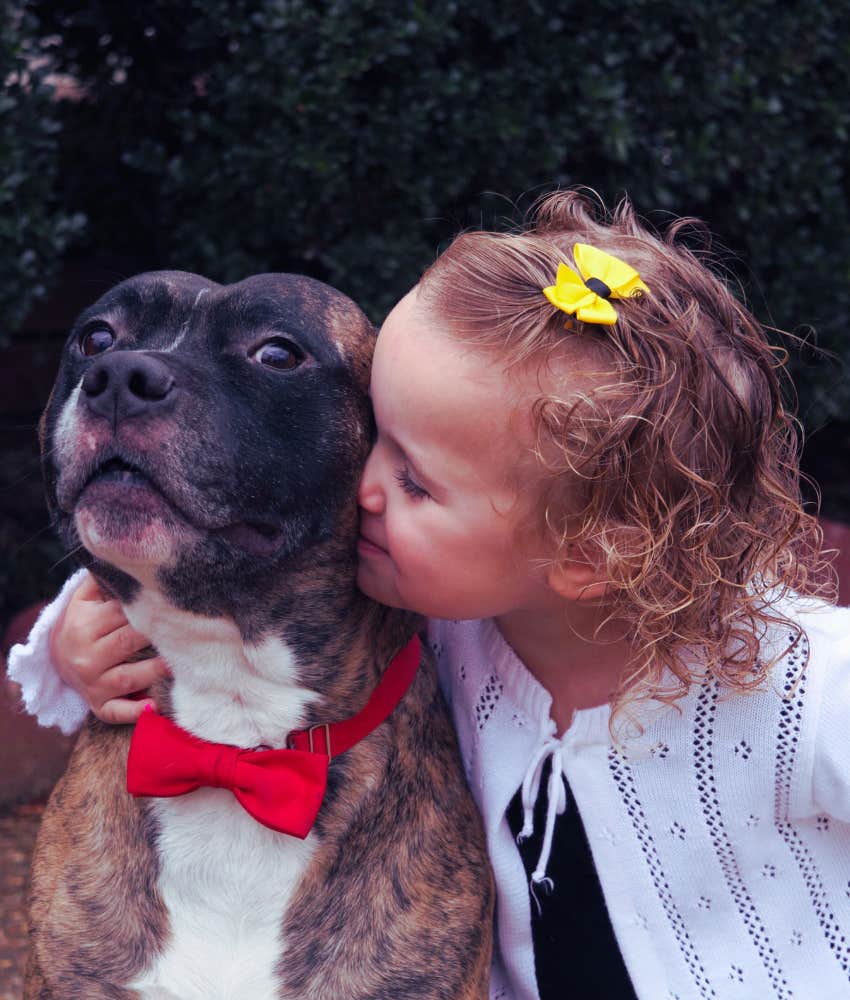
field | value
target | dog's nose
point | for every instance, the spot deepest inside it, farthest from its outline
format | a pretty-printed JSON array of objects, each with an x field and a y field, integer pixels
[{"x": 128, "y": 384}]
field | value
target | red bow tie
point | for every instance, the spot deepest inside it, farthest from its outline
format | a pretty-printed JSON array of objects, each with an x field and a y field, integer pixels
[{"x": 283, "y": 789}]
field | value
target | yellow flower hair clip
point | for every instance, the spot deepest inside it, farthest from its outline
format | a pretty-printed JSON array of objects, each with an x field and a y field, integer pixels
[{"x": 603, "y": 277}]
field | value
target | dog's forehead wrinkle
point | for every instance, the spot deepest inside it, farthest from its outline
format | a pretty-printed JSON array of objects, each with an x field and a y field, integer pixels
[
  {"x": 141, "y": 326},
  {"x": 187, "y": 321}
]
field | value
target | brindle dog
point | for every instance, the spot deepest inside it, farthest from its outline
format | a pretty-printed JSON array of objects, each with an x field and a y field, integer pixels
[{"x": 203, "y": 445}]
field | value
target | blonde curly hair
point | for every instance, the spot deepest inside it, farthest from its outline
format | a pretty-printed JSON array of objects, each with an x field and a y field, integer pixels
[{"x": 675, "y": 457}]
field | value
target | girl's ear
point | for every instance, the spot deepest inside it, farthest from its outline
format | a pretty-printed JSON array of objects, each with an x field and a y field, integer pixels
[{"x": 578, "y": 577}]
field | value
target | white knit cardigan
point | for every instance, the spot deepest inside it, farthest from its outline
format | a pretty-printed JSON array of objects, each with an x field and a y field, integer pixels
[{"x": 721, "y": 834}]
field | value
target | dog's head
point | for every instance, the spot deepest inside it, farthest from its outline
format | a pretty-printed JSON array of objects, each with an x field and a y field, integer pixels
[{"x": 200, "y": 438}]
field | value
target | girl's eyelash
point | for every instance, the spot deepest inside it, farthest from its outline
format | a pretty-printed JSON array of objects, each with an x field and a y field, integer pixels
[{"x": 410, "y": 487}]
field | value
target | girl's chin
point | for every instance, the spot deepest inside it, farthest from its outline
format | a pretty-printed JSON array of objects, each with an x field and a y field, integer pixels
[{"x": 376, "y": 585}]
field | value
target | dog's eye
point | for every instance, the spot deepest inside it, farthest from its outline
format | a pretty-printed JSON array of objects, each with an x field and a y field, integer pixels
[
  {"x": 279, "y": 353},
  {"x": 96, "y": 339}
]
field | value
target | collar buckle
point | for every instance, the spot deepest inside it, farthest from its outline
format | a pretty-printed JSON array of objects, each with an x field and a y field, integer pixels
[{"x": 326, "y": 729}]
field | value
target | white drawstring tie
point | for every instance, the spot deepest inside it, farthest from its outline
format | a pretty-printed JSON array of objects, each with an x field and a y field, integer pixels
[{"x": 550, "y": 747}]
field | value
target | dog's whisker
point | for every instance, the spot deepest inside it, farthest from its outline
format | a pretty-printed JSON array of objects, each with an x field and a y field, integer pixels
[
  {"x": 24, "y": 545},
  {"x": 33, "y": 470},
  {"x": 66, "y": 557}
]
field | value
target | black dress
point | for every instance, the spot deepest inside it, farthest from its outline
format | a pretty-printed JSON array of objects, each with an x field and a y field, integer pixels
[{"x": 575, "y": 951}]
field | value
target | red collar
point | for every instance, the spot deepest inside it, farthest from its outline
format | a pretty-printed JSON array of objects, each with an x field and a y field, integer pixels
[
  {"x": 334, "y": 738},
  {"x": 283, "y": 789}
]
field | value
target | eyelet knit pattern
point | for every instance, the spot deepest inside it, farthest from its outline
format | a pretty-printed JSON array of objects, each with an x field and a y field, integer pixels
[{"x": 720, "y": 833}]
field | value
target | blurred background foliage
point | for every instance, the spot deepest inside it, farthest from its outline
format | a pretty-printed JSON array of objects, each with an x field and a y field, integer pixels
[
  {"x": 349, "y": 139},
  {"x": 36, "y": 228}
]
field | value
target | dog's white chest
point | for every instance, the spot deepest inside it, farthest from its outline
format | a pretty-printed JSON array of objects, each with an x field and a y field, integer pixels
[{"x": 226, "y": 881}]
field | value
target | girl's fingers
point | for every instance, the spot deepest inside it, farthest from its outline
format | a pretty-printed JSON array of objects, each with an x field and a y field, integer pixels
[
  {"x": 89, "y": 590},
  {"x": 122, "y": 711},
  {"x": 128, "y": 678},
  {"x": 120, "y": 644},
  {"x": 91, "y": 609},
  {"x": 105, "y": 618}
]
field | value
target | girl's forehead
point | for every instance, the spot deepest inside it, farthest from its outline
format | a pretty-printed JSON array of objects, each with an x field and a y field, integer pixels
[
  {"x": 420, "y": 357},
  {"x": 418, "y": 349},
  {"x": 432, "y": 392}
]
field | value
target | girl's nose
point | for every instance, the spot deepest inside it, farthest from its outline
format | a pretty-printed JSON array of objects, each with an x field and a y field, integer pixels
[{"x": 370, "y": 494}]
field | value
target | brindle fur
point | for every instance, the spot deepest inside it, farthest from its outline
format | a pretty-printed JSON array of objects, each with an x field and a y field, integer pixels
[
  {"x": 94, "y": 909},
  {"x": 397, "y": 899}
]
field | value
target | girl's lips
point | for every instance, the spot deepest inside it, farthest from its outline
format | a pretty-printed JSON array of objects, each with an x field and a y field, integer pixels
[{"x": 367, "y": 547}]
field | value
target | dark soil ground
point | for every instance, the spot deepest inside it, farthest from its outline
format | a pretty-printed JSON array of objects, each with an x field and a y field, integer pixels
[{"x": 18, "y": 826}]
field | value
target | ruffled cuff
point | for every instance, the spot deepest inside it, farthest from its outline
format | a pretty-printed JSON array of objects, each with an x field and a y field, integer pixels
[{"x": 45, "y": 695}]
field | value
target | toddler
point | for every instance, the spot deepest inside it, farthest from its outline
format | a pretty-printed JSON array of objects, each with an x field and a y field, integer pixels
[{"x": 584, "y": 475}]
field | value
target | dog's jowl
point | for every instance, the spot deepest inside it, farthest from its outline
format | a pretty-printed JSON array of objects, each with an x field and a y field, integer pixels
[{"x": 202, "y": 448}]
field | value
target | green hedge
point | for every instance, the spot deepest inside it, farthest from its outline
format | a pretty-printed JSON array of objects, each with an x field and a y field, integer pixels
[
  {"x": 350, "y": 139},
  {"x": 35, "y": 227}
]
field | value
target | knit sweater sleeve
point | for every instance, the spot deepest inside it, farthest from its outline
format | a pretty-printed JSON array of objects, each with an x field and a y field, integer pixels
[
  {"x": 830, "y": 666},
  {"x": 45, "y": 695}
]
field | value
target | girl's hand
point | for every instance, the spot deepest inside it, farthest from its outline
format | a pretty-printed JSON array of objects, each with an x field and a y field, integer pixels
[{"x": 92, "y": 646}]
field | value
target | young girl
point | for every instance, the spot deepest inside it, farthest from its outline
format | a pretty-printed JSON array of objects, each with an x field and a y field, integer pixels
[{"x": 585, "y": 476}]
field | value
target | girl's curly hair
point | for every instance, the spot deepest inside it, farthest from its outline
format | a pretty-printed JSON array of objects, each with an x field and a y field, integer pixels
[{"x": 673, "y": 454}]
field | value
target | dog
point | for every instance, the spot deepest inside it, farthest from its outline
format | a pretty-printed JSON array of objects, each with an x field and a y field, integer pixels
[{"x": 201, "y": 448}]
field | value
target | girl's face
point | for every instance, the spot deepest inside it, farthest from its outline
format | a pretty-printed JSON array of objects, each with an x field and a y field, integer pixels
[{"x": 439, "y": 497}]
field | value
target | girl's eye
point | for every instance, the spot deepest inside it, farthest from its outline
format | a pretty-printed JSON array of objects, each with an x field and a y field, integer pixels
[
  {"x": 96, "y": 339},
  {"x": 410, "y": 486},
  {"x": 279, "y": 353}
]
